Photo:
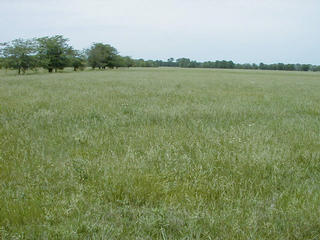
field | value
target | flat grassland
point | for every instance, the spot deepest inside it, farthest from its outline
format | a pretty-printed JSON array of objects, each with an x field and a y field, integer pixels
[{"x": 160, "y": 154}]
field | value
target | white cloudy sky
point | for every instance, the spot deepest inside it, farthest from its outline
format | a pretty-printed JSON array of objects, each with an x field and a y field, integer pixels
[{"x": 239, "y": 30}]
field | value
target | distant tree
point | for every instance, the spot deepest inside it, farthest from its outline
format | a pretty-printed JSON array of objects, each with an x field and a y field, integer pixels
[
  {"x": 246, "y": 66},
  {"x": 139, "y": 63},
  {"x": 289, "y": 67},
  {"x": 102, "y": 55},
  {"x": 19, "y": 54},
  {"x": 230, "y": 65},
  {"x": 54, "y": 52},
  {"x": 149, "y": 63},
  {"x": 314, "y": 68},
  {"x": 317, "y": 68},
  {"x": 160, "y": 63},
  {"x": 127, "y": 62},
  {"x": 255, "y": 66},
  {"x": 224, "y": 64},
  {"x": 298, "y": 67},
  {"x": 262, "y": 66},
  {"x": 77, "y": 60},
  {"x": 194, "y": 64},
  {"x": 280, "y": 66},
  {"x": 116, "y": 62},
  {"x": 171, "y": 62},
  {"x": 305, "y": 67},
  {"x": 206, "y": 64},
  {"x": 183, "y": 62}
]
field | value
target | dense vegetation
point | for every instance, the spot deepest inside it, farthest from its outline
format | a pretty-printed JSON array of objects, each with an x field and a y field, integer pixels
[
  {"x": 53, "y": 53},
  {"x": 160, "y": 153}
]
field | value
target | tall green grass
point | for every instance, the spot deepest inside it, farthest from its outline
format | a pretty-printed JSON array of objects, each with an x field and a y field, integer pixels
[{"x": 160, "y": 154}]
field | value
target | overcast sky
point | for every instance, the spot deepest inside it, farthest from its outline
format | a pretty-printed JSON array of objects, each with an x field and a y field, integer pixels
[{"x": 239, "y": 30}]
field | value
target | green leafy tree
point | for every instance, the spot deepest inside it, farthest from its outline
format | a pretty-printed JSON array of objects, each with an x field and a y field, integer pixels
[
  {"x": 183, "y": 62},
  {"x": 54, "y": 52},
  {"x": 289, "y": 67},
  {"x": 305, "y": 67},
  {"x": 102, "y": 55},
  {"x": 170, "y": 62},
  {"x": 19, "y": 54},
  {"x": 139, "y": 63},
  {"x": 128, "y": 61},
  {"x": 119, "y": 61},
  {"x": 77, "y": 60},
  {"x": 262, "y": 66}
]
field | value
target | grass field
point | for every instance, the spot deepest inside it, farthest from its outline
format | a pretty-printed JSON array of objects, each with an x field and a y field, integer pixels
[{"x": 160, "y": 154}]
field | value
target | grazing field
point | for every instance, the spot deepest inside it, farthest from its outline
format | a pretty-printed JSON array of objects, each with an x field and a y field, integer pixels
[{"x": 160, "y": 154}]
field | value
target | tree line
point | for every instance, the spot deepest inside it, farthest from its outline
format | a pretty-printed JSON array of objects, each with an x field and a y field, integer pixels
[
  {"x": 187, "y": 63},
  {"x": 54, "y": 53}
]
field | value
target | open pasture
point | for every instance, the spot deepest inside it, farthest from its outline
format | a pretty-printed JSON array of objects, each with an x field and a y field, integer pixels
[{"x": 160, "y": 154}]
